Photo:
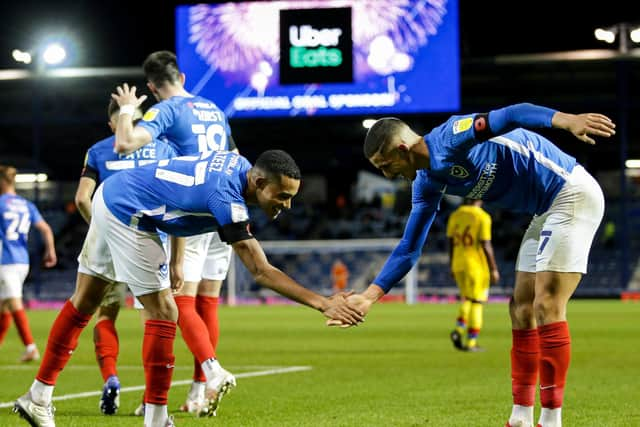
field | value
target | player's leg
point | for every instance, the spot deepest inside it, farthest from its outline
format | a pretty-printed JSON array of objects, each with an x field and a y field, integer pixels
[
  {"x": 562, "y": 258},
  {"x": 214, "y": 271},
  {"x": 525, "y": 348},
  {"x": 478, "y": 296},
  {"x": 157, "y": 353},
  {"x": 457, "y": 335},
  {"x": 13, "y": 277},
  {"x": 106, "y": 344},
  {"x": 5, "y": 318},
  {"x": 35, "y": 406}
]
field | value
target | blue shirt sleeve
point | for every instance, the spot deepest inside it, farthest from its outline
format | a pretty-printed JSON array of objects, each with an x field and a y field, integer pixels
[
  {"x": 157, "y": 119},
  {"x": 34, "y": 213},
  {"x": 406, "y": 254},
  {"x": 463, "y": 132}
]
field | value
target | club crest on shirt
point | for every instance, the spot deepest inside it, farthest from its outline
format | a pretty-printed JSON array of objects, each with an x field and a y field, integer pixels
[
  {"x": 458, "y": 171},
  {"x": 163, "y": 269},
  {"x": 462, "y": 125}
]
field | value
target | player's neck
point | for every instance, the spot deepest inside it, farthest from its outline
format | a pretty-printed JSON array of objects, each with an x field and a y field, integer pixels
[
  {"x": 420, "y": 154},
  {"x": 169, "y": 91}
]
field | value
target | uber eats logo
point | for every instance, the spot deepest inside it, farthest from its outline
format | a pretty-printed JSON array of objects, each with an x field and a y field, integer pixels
[{"x": 315, "y": 46}]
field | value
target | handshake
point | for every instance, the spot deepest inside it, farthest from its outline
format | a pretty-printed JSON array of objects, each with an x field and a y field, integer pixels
[{"x": 348, "y": 309}]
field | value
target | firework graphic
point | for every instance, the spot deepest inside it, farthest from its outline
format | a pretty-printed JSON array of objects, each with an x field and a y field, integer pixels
[{"x": 241, "y": 40}]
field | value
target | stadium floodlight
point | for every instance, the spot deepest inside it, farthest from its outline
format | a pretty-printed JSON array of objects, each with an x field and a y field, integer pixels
[
  {"x": 31, "y": 177},
  {"x": 21, "y": 56},
  {"x": 605, "y": 35},
  {"x": 54, "y": 54},
  {"x": 624, "y": 32},
  {"x": 632, "y": 163}
]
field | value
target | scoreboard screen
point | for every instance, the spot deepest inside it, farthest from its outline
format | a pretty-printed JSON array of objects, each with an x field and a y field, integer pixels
[{"x": 322, "y": 57}]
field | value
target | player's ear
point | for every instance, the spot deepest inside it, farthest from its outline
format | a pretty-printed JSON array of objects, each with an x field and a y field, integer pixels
[
  {"x": 183, "y": 78},
  {"x": 112, "y": 125},
  {"x": 261, "y": 181},
  {"x": 403, "y": 148}
]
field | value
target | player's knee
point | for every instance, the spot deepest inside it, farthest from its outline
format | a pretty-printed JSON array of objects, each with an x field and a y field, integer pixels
[
  {"x": 521, "y": 312},
  {"x": 166, "y": 309},
  {"x": 546, "y": 309}
]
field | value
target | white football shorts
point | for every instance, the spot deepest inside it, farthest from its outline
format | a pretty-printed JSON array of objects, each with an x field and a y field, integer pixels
[
  {"x": 560, "y": 239},
  {"x": 116, "y": 252},
  {"x": 206, "y": 257},
  {"x": 12, "y": 278}
]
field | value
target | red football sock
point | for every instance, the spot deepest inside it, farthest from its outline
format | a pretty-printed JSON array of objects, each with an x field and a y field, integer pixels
[
  {"x": 525, "y": 358},
  {"x": 194, "y": 331},
  {"x": 5, "y": 322},
  {"x": 63, "y": 340},
  {"x": 22, "y": 324},
  {"x": 207, "y": 308},
  {"x": 158, "y": 359},
  {"x": 555, "y": 354},
  {"x": 105, "y": 338}
]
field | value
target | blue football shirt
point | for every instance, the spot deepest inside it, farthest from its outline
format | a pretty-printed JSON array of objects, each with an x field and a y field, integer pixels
[
  {"x": 192, "y": 125},
  {"x": 101, "y": 161},
  {"x": 16, "y": 216},
  {"x": 481, "y": 156},
  {"x": 182, "y": 196}
]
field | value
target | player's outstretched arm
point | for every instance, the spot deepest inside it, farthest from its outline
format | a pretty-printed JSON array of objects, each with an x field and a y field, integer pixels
[
  {"x": 254, "y": 258},
  {"x": 128, "y": 137},
  {"x": 583, "y": 126}
]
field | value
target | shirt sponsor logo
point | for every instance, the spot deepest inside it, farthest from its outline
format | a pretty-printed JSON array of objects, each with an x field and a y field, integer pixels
[
  {"x": 458, "y": 171},
  {"x": 238, "y": 212},
  {"x": 487, "y": 177},
  {"x": 150, "y": 114},
  {"x": 462, "y": 125}
]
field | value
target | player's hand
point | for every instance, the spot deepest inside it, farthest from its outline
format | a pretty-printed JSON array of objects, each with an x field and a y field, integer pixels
[
  {"x": 126, "y": 95},
  {"x": 49, "y": 259},
  {"x": 339, "y": 309},
  {"x": 176, "y": 275},
  {"x": 583, "y": 126},
  {"x": 495, "y": 276},
  {"x": 358, "y": 301}
]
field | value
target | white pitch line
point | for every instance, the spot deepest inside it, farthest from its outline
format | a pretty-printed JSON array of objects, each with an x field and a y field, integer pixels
[
  {"x": 94, "y": 367},
  {"x": 174, "y": 383}
]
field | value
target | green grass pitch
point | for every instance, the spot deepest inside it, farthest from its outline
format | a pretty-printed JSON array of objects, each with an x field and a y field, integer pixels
[{"x": 398, "y": 369}]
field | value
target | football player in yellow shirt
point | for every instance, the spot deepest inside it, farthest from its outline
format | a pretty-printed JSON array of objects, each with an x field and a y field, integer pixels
[{"x": 473, "y": 266}]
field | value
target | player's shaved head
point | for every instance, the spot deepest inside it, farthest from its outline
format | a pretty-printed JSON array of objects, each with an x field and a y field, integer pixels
[
  {"x": 161, "y": 67},
  {"x": 381, "y": 133},
  {"x": 276, "y": 163}
]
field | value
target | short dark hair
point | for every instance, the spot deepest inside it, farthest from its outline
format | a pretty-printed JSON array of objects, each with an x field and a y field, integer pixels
[
  {"x": 278, "y": 163},
  {"x": 161, "y": 67},
  {"x": 380, "y": 133}
]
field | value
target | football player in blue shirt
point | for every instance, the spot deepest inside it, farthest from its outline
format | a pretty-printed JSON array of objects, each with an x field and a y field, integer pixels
[
  {"x": 491, "y": 156},
  {"x": 183, "y": 196},
  {"x": 17, "y": 214},
  {"x": 192, "y": 125},
  {"x": 101, "y": 162}
]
